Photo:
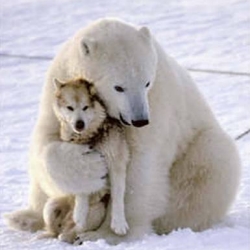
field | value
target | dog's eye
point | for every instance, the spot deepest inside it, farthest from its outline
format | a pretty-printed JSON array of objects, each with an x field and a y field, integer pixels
[
  {"x": 147, "y": 85},
  {"x": 85, "y": 108},
  {"x": 70, "y": 108},
  {"x": 119, "y": 89}
]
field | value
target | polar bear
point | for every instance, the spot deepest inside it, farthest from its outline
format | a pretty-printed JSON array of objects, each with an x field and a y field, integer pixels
[{"x": 184, "y": 170}]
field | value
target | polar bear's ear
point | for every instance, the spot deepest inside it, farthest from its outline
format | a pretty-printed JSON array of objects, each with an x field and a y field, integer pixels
[
  {"x": 88, "y": 45},
  {"x": 57, "y": 84},
  {"x": 145, "y": 31}
]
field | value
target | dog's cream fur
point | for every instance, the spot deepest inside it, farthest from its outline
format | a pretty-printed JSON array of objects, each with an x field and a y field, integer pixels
[
  {"x": 184, "y": 170},
  {"x": 76, "y": 100}
]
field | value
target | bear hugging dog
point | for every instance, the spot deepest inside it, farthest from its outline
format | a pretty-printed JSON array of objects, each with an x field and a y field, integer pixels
[{"x": 183, "y": 169}]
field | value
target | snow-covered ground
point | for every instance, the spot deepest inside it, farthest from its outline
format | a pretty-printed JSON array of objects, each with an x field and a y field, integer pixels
[{"x": 202, "y": 35}]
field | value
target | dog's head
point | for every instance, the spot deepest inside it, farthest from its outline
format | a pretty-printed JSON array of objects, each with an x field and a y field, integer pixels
[{"x": 76, "y": 105}]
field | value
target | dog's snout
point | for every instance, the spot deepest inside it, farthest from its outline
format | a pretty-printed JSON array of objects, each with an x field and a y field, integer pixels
[
  {"x": 140, "y": 123},
  {"x": 79, "y": 125}
]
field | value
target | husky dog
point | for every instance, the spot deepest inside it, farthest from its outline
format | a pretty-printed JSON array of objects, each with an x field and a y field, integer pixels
[{"x": 84, "y": 120}]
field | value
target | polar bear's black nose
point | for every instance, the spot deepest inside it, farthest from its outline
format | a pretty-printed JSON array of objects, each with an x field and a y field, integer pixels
[
  {"x": 140, "y": 123},
  {"x": 79, "y": 125}
]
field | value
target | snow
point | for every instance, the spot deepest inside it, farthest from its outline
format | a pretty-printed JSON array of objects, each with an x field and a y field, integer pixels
[{"x": 209, "y": 35}]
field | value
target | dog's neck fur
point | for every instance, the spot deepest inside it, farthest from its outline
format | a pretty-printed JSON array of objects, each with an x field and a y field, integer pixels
[{"x": 95, "y": 134}]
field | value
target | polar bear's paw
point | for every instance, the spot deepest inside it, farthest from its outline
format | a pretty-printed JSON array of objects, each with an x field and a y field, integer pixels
[
  {"x": 119, "y": 225},
  {"x": 24, "y": 220}
]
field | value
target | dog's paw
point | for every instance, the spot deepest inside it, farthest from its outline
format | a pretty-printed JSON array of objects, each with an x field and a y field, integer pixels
[{"x": 119, "y": 226}]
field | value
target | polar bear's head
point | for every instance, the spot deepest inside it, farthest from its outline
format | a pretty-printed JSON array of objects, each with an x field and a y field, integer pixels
[{"x": 120, "y": 60}]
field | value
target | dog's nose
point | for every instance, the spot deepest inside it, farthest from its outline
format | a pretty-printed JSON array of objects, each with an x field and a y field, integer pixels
[
  {"x": 79, "y": 125},
  {"x": 140, "y": 123}
]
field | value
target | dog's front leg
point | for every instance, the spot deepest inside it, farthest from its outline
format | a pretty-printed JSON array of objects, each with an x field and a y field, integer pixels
[
  {"x": 118, "y": 219},
  {"x": 117, "y": 160}
]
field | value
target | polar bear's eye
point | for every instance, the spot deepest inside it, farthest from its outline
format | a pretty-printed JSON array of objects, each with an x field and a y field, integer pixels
[
  {"x": 70, "y": 108},
  {"x": 85, "y": 108},
  {"x": 147, "y": 85},
  {"x": 119, "y": 89}
]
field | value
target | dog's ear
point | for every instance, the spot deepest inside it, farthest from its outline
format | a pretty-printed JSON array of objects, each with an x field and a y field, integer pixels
[
  {"x": 90, "y": 86},
  {"x": 92, "y": 90},
  {"x": 58, "y": 84},
  {"x": 82, "y": 81}
]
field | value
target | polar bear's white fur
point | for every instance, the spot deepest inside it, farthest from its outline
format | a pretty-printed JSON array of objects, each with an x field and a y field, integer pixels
[{"x": 184, "y": 170}]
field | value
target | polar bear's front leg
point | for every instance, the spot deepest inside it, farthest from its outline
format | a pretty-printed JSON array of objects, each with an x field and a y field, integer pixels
[{"x": 73, "y": 170}]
